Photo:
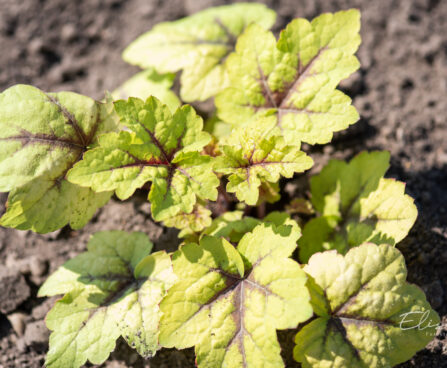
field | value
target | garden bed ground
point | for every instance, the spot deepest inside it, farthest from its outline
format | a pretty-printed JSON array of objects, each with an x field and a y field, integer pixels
[{"x": 400, "y": 92}]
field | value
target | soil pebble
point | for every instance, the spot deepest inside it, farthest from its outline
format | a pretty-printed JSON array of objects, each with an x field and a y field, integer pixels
[
  {"x": 17, "y": 321},
  {"x": 36, "y": 333},
  {"x": 13, "y": 289}
]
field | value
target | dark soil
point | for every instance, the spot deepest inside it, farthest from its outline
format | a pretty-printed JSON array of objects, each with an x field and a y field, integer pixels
[{"x": 400, "y": 92}]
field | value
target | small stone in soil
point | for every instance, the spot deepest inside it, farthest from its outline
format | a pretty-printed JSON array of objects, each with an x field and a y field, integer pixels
[
  {"x": 36, "y": 333},
  {"x": 17, "y": 321},
  {"x": 13, "y": 289}
]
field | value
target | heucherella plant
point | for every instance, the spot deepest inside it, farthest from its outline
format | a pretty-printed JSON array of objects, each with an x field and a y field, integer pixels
[{"x": 235, "y": 278}]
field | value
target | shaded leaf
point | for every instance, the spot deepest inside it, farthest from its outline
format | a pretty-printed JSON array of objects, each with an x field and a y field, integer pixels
[
  {"x": 163, "y": 148},
  {"x": 229, "y": 301},
  {"x": 112, "y": 290},
  {"x": 295, "y": 79},
  {"x": 42, "y": 136},
  {"x": 357, "y": 205},
  {"x": 190, "y": 223},
  {"x": 368, "y": 316},
  {"x": 198, "y": 45},
  {"x": 268, "y": 193},
  {"x": 300, "y": 206}
]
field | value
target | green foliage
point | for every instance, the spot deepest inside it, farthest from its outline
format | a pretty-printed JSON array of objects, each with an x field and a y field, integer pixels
[
  {"x": 42, "y": 136},
  {"x": 190, "y": 223},
  {"x": 368, "y": 316},
  {"x": 198, "y": 45},
  {"x": 162, "y": 148},
  {"x": 356, "y": 205},
  {"x": 114, "y": 289},
  {"x": 229, "y": 301},
  {"x": 249, "y": 157},
  {"x": 233, "y": 281},
  {"x": 295, "y": 78},
  {"x": 149, "y": 83}
]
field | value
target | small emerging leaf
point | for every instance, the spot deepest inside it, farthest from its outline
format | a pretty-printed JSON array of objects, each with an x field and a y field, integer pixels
[
  {"x": 112, "y": 289},
  {"x": 229, "y": 301},
  {"x": 357, "y": 205},
  {"x": 190, "y": 223},
  {"x": 198, "y": 45},
  {"x": 252, "y": 159},
  {"x": 42, "y": 135},
  {"x": 149, "y": 83},
  {"x": 162, "y": 148},
  {"x": 368, "y": 316},
  {"x": 295, "y": 79}
]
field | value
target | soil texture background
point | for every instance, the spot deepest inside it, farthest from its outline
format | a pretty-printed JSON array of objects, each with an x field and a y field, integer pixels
[{"x": 400, "y": 92}]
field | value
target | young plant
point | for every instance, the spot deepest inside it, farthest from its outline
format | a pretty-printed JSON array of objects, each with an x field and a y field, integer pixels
[{"x": 234, "y": 280}]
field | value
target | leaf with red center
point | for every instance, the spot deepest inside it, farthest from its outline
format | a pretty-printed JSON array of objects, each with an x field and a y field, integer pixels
[
  {"x": 295, "y": 79},
  {"x": 162, "y": 148},
  {"x": 42, "y": 135},
  {"x": 254, "y": 158},
  {"x": 229, "y": 301}
]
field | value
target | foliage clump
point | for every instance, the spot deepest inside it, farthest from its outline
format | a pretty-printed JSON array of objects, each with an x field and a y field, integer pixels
[{"x": 235, "y": 278}]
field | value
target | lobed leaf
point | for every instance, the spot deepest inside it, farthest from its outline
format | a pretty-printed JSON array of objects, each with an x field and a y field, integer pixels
[
  {"x": 229, "y": 301},
  {"x": 357, "y": 205},
  {"x": 368, "y": 316},
  {"x": 163, "y": 148},
  {"x": 149, "y": 83},
  {"x": 255, "y": 157},
  {"x": 42, "y": 136},
  {"x": 294, "y": 79},
  {"x": 198, "y": 45},
  {"x": 112, "y": 290}
]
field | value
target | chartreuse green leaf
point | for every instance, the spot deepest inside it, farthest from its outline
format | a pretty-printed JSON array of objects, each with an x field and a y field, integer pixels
[
  {"x": 190, "y": 223},
  {"x": 255, "y": 157},
  {"x": 42, "y": 135},
  {"x": 198, "y": 45},
  {"x": 368, "y": 316},
  {"x": 163, "y": 148},
  {"x": 234, "y": 225},
  {"x": 114, "y": 289},
  {"x": 356, "y": 205},
  {"x": 149, "y": 83},
  {"x": 295, "y": 79},
  {"x": 229, "y": 301}
]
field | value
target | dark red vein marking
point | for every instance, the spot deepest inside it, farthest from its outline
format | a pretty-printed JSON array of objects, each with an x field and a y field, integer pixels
[
  {"x": 43, "y": 139},
  {"x": 266, "y": 91},
  {"x": 71, "y": 120},
  {"x": 156, "y": 142},
  {"x": 301, "y": 75}
]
